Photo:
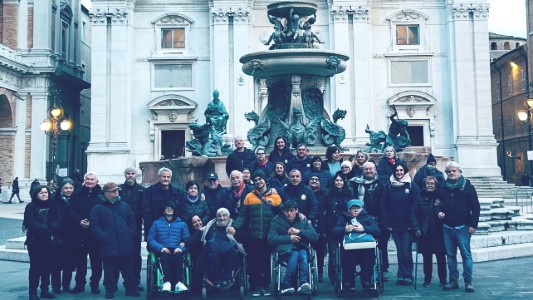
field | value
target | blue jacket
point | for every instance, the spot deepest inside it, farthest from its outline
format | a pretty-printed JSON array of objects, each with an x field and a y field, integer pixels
[
  {"x": 154, "y": 200},
  {"x": 114, "y": 228},
  {"x": 165, "y": 234}
]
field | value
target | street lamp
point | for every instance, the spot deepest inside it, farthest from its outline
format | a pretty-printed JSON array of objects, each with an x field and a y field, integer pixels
[
  {"x": 525, "y": 116},
  {"x": 55, "y": 124}
]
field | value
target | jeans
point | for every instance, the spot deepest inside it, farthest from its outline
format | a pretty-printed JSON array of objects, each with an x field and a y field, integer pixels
[
  {"x": 402, "y": 240},
  {"x": 298, "y": 259},
  {"x": 458, "y": 238}
]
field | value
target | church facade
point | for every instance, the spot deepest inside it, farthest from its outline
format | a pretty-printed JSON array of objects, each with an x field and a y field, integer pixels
[{"x": 155, "y": 64}]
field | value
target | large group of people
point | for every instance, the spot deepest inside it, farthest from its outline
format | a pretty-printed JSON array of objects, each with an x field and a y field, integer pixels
[{"x": 286, "y": 204}]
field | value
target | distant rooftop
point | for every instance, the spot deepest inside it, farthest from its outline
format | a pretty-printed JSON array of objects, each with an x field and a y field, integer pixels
[{"x": 496, "y": 36}]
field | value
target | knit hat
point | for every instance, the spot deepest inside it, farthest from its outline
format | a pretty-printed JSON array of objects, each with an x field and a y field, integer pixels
[
  {"x": 354, "y": 202},
  {"x": 346, "y": 164},
  {"x": 316, "y": 158},
  {"x": 258, "y": 173},
  {"x": 431, "y": 159},
  {"x": 171, "y": 205}
]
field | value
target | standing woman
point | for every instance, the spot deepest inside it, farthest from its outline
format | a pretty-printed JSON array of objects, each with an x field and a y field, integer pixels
[
  {"x": 428, "y": 230},
  {"x": 357, "y": 163},
  {"x": 63, "y": 264},
  {"x": 281, "y": 151},
  {"x": 398, "y": 197},
  {"x": 279, "y": 178},
  {"x": 42, "y": 222},
  {"x": 194, "y": 204},
  {"x": 386, "y": 164},
  {"x": 333, "y": 160}
]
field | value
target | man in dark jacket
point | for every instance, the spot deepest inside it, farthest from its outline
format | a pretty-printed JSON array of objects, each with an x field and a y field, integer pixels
[
  {"x": 290, "y": 236},
  {"x": 215, "y": 196},
  {"x": 237, "y": 193},
  {"x": 156, "y": 196},
  {"x": 302, "y": 194},
  {"x": 113, "y": 226},
  {"x": 82, "y": 202},
  {"x": 430, "y": 169},
  {"x": 240, "y": 158},
  {"x": 301, "y": 161},
  {"x": 261, "y": 163},
  {"x": 459, "y": 211},
  {"x": 321, "y": 195},
  {"x": 35, "y": 183},
  {"x": 132, "y": 193}
]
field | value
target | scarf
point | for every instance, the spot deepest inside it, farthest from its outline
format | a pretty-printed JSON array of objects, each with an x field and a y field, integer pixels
[
  {"x": 230, "y": 237},
  {"x": 392, "y": 160},
  {"x": 362, "y": 181},
  {"x": 193, "y": 200},
  {"x": 262, "y": 164},
  {"x": 454, "y": 184},
  {"x": 399, "y": 183},
  {"x": 239, "y": 192}
]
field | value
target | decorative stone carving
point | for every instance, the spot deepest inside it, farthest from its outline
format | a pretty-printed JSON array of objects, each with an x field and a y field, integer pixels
[
  {"x": 359, "y": 13},
  {"x": 100, "y": 16},
  {"x": 408, "y": 15},
  {"x": 478, "y": 11},
  {"x": 173, "y": 116},
  {"x": 173, "y": 19},
  {"x": 222, "y": 15}
]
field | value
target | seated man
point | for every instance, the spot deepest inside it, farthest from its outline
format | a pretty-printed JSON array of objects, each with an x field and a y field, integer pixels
[
  {"x": 291, "y": 236},
  {"x": 356, "y": 220},
  {"x": 166, "y": 238}
]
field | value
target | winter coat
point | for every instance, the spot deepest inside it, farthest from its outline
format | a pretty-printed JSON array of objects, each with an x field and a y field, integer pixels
[
  {"x": 277, "y": 182},
  {"x": 424, "y": 218},
  {"x": 460, "y": 205},
  {"x": 336, "y": 205},
  {"x": 113, "y": 226},
  {"x": 133, "y": 195},
  {"x": 302, "y": 165},
  {"x": 65, "y": 231},
  {"x": 322, "y": 201},
  {"x": 373, "y": 192},
  {"x": 42, "y": 222},
  {"x": 304, "y": 196},
  {"x": 370, "y": 225},
  {"x": 237, "y": 200},
  {"x": 167, "y": 234},
  {"x": 279, "y": 238},
  {"x": 154, "y": 200},
  {"x": 396, "y": 204},
  {"x": 384, "y": 169},
  {"x": 198, "y": 208},
  {"x": 285, "y": 157},
  {"x": 215, "y": 199},
  {"x": 239, "y": 160},
  {"x": 268, "y": 168},
  {"x": 420, "y": 178},
  {"x": 323, "y": 176},
  {"x": 255, "y": 215},
  {"x": 81, "y": 203}
]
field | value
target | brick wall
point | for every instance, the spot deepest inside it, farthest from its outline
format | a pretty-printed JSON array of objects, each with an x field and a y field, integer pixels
[
  {"x": 7, "y": 143},
  {"x": 30, "y": 28},
  {"x": 1, "y": 22},
  {"x": 9, "y": 28},
  {"x": 27, "y": 157}
]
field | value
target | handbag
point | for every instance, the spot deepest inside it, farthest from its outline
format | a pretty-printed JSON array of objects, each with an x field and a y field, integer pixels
[{"x": 356, "y": 240}]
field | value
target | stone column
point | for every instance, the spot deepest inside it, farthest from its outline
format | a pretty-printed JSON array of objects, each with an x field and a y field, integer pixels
[
  {"x": 470, "y": 89},
  {"x": 22, "y": 25},
  {"x": 38, "y": 139},
  {"x": 42, "y": 23}
]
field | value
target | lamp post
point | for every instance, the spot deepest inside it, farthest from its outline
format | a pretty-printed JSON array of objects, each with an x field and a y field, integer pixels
[
  {"x": 525, "y": 116},
  {"x": 55, "y": 124}
]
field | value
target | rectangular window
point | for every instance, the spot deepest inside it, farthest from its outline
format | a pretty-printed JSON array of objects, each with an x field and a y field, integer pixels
[
  {"x": 523, "y": 80},
  {"x": 510, "y": 85},
  {"x": 409, "y": 72},
  {"x": 498, "y": 94},
  {"x": 173, "y": 38},
  {"x": 407, "y": 35},
  {"x": 64, "y": 41},
  {"x": 173, "y": 76}
]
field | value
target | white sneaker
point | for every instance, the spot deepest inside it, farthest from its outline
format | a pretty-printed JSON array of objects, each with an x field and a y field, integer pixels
[
  {"x": 166, "y": 287},
  {"x": 180, "y": 287}
]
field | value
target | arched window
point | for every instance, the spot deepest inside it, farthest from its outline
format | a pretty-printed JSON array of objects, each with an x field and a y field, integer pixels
[
  {"x": 506, "y": 46},
  {"x": 493, "y": 46}
]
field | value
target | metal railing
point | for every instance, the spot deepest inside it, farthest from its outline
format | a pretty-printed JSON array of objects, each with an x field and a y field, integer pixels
[{"x": 523, "y": 198}]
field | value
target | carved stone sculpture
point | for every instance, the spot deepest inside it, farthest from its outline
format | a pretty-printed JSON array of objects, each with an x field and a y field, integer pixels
[
  {"x": 207, "y": 141},
  {"x": 334, "y": 134},
  {"x": 398, "y": 137},
  {"x": 376, "y": 140},
  {"x": 216, "y": 114}
]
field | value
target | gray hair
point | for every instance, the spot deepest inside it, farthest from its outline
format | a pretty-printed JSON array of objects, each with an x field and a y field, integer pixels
[
  {"x": 389, "y": 147},
  {"x": 163, "y": 169},
  {"x": 235, "y": 172},
  {"x": 260, "y": 148},
  {"x": 130, "y": 170},
  {"x": 454, "y": 164},
  {"x": 223, "y": 212},
  {"x": 89, "y": 174}
]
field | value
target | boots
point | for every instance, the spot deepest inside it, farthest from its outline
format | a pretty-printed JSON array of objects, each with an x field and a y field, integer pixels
[
  {"x": 452, "y": 285},
  {"x": 469, "y": 288}
]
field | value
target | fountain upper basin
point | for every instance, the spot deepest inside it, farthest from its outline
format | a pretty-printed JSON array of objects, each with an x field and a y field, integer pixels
[{"x": 293, "y": 61}]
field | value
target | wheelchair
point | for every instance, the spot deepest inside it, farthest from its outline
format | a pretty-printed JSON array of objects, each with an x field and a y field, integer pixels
[
  {"x": 239, "y": 281},
  {"x": 154, "y": 276},
  {"x": 376, "y": 284},
  {"x": 277, "y": 268}
]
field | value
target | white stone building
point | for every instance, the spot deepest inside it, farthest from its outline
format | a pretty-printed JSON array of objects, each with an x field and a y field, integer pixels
[{"x": 156, "y": 63}]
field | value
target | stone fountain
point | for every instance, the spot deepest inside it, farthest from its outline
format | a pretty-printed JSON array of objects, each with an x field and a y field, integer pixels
[{"x": 293, "y": 74}]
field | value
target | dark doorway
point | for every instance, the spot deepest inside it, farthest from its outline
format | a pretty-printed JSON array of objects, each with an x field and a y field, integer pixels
[
  {"x": 172, "y": 143},
  {"x": 416, "y": 133}
]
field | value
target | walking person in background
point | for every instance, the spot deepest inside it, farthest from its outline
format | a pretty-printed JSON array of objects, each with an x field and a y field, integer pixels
[
  {"x": 41, "y": 222},
  {"x": 459, "y": 212},
  {"x": 15, "y": 190}
]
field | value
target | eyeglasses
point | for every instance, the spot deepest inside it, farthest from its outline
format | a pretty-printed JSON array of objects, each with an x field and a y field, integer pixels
[{"x": 112, "y": 192}]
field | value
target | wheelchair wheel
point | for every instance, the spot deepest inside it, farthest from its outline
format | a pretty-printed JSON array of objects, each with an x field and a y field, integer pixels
[
  {"x": 151, "y": 276},
  {"x": 274, "y": 269},
  {"x": 378, "y": 284},
  {"x": 314, "y": 274},
  {"x": 204, "y": 293},
  {"x": 241, "y": 292}
]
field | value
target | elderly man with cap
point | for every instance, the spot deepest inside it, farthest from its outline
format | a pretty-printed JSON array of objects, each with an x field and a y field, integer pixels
[
  {"x": 356, "y": 220},
  {"x": 113, "y": 226},
  {"x": 261, "y": 163},
  {"x": 258, "y": 209},
  {"x": 132, "y": 193},
  {"x": 215, "y": 195}
]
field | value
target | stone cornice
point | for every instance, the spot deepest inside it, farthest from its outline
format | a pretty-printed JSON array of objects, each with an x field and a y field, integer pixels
[
  {"x": 117, "y": 16},
  {"x": 222, "y": 14},
  {"x": 342, "y": 13},
  {"x": 463, "y": 11}
]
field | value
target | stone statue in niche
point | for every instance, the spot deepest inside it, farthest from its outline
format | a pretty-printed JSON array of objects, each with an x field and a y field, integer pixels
[
  {"x": 206, "y": 142},
  {"x": 398, "y": 137},
  {"x": 216, "y": 114}
]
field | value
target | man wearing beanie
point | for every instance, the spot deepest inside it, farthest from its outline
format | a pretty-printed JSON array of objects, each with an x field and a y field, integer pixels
[
  {"x": 430, "y": 169},
  {"x": 257, "y": 211}
]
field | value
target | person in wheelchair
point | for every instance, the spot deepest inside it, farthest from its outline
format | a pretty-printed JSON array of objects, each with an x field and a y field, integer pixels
[
  {"x": 166, "y": 238},
  {"x": 222, "y": 251},
  {"x": 356, "y": 220},
  {"x": 291, "y": 236}
]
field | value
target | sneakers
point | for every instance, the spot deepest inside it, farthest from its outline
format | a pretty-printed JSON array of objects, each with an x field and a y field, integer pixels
[
  {"x": 180, "y": 287},
  {"x": 257, "y": 293},
  {"x": 287, "y": 291},
  {"x": 266, "y": 292},
  {"x": 166, "y": 287},
  {"x": 468, "y": 287},
  {"x": 452, "y": 285},
  {"x": 304, "y": 288}
]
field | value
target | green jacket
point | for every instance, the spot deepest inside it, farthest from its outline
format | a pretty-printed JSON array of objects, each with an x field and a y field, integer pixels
[
  {"x": 255, "y": 216},
  {"x": 279, "y": 238}
]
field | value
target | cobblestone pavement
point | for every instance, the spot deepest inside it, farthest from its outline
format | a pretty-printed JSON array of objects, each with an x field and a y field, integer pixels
[{"x": 10, "y": 228}]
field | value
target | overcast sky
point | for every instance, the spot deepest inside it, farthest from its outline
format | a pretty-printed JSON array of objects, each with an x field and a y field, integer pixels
[{"x": 506, "y": 16}]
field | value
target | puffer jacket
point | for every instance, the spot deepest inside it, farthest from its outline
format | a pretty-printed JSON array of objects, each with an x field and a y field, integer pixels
[
  {"x": 198, "y": 208},
  {"x": 154, "y": 200},
  {"x": 113, "y": 225},
  {"x": 167, "y": 234},
  {"x": 335, "y": 205},
  {"x": 279, "y": 238},
  {"x": 42, "y": 221},
  {"x": 255, "y": 216},
  {"x": 396, "y": 204}
]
